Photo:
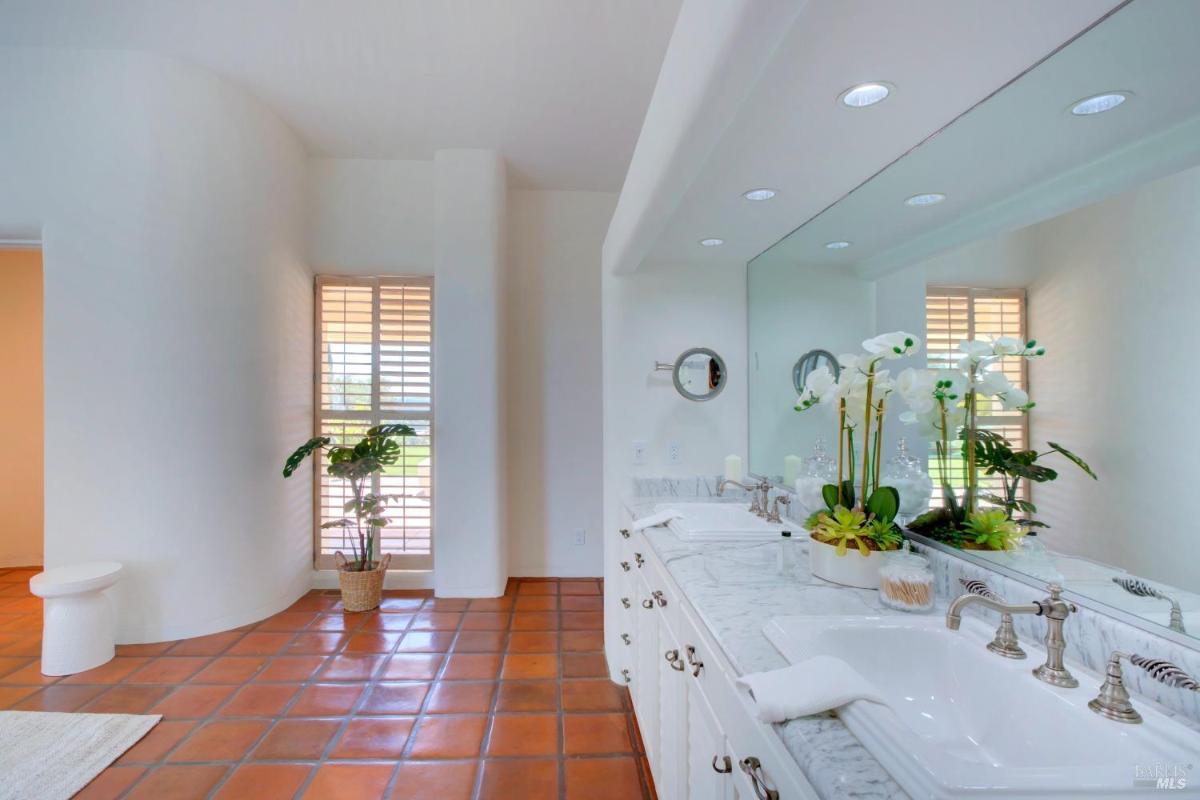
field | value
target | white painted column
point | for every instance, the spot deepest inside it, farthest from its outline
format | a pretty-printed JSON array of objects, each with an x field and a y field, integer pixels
[{"x": 470, "y": 195}]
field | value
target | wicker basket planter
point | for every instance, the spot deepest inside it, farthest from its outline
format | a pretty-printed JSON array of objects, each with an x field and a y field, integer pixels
[{"x": 361, "y": 590}]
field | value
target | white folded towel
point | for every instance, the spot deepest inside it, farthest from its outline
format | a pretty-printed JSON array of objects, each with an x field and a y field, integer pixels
[
  {"x": 657, "y": 518},
  {"x": 809, "y": 687}
]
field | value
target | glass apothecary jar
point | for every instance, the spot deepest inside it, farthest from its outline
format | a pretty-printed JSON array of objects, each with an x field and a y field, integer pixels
[{"x": 906, "y": 581}]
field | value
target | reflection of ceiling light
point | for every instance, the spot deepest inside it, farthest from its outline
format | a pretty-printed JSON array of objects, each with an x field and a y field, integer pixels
[
  {"x": 1098, "y": 104},
  {"x": 836, "y": 245},
  {"x": 759, "y": 194},
  {"x": 930, "y": 199},
  {"x": 711, "y": 242},
  {"x": 865, "y": 94}
]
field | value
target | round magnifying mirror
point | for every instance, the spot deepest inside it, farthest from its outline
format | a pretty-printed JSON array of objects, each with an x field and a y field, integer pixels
[
  {"x": 810, "y": 361},
  {"x": 699, "y": 374}
]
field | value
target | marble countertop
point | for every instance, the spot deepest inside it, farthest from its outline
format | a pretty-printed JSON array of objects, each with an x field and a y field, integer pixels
[{"x": 730, "y": 584}]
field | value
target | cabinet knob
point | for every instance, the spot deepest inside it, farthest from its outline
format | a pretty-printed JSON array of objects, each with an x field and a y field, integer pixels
[
  {"x": 658, "y": 598},
  {"x": 647, "y": 603},
  {"x": 638, "y": 558},
  {"x": 724, "y": 760},
  {"x": 625, "y": 566},
  {"x": 625, "y": 602},
  {"x": 625, "y": 675},
  {"x": 674, "y": 660},
  {"x": 624, "y": 533},
  {"x": 753, "y": 768},
  {"x": 625, "y": 638}
]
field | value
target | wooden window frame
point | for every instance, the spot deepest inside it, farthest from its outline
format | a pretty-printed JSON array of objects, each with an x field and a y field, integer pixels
[{"x": 409, "y": 562}]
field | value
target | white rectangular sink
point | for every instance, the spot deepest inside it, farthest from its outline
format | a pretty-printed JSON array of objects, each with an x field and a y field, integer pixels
[
  {"x": 963, "y": 722},
  {"x": 720, "y": 522}
]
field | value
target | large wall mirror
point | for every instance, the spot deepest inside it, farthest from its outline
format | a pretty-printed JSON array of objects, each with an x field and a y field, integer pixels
[{"x": 1042, "y": 213}]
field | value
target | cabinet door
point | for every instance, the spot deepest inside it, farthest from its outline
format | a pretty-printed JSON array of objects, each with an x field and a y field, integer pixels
[
  {"x": 645, "y": 675},
  {"x": 670, "y": 779},
  {"x": 705, "y": 747}
]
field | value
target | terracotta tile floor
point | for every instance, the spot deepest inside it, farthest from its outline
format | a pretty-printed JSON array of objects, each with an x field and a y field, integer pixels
[{"x": 504, "y": 699}]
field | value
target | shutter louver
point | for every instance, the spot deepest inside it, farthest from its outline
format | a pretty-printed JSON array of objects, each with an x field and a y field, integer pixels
[{"x": 375, "y": 365}]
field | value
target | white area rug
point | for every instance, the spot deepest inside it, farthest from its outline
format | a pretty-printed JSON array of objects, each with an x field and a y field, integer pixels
[{"x": 47, "y": 755}]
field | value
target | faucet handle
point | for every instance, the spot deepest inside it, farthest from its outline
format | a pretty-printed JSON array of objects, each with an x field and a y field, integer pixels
[
  {"x": 1113, "y": 700},
  {"x": 980, "y": 588},
  {"x": 1055, "y": 598}
]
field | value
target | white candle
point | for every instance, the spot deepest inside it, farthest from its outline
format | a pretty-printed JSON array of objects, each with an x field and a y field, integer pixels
[
  {"x": 733, "y": 468},
  {"x": 791, "y": 469}
]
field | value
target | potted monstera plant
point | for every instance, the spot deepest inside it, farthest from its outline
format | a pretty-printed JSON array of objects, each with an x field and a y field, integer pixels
[{"x": 361, "y": 575}]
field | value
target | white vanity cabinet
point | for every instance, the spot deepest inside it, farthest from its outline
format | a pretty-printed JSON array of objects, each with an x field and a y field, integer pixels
[{"x": 696, "y": 728}]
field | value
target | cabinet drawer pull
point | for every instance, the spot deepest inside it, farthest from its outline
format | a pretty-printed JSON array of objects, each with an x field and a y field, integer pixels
[
  {"x": 624, "y": 533},
  {"x": 625, "y": 602},
  {"x": 674, "y": 660},
  {"x": 696, "y": 663},
  {"x": 658, "y": 598},
  {"x": 625, "y": 566},
  {"x": 625, "y": 675},
  {"x": 724, "y": 760},
  {"x": 625, "y": 638},
  {"x": 647, "y": 603},
  {"x": 638, "y": 558},
  {"x": 753, "y": 767}
]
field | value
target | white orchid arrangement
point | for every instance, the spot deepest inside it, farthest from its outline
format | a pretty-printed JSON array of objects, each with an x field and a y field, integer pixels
[
  {"x": 859, "y": 396},
  {"x": 944, "y": 404}
]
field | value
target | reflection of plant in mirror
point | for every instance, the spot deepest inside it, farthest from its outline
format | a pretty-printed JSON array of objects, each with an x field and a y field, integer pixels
[
  {"x": 946, "y": 403},
  {"x": 992, "y": 529}
]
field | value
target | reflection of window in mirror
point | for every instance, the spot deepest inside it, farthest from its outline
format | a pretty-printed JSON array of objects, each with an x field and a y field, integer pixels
[{"x": 956, "y": 313}]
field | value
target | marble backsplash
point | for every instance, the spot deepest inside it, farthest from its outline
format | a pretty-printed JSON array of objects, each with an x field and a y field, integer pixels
[{"x": 1091, "y": 635}]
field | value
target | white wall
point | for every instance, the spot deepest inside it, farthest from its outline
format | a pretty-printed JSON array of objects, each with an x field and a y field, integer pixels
[
  {"x": 177, "y": 331},
  {"x": 553, "y": 382},
  {"x": 655, "y": 316},
  {"x": 470, "y": 207},
  {"x": 371, "y": 217}
]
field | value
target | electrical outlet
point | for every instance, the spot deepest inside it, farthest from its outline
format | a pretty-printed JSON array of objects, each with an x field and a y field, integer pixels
[
  {"x": 580, "y": 536},
  {"x": 674, "y": 453},
  {"x": 639, "y": 453}
]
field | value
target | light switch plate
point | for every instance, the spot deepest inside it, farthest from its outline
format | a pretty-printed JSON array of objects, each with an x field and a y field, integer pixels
[
  {"x": 639, "y": 453},
  {"x": 580, "y": 536},
  {"x": 674, "y": 453}
]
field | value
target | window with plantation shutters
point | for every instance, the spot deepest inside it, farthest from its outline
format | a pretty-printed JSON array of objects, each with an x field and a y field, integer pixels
[
  {"x": 953, "y": 314},
  {"x": 374, "y": 365}
]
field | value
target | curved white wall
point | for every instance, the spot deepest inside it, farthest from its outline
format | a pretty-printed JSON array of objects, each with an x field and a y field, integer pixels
[{"x": 177, "y": 330}]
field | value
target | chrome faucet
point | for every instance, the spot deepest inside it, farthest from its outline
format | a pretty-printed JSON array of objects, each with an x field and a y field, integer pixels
[
  {"x": 759, "y": 494},
  {"x": 1053, "y": 608}
]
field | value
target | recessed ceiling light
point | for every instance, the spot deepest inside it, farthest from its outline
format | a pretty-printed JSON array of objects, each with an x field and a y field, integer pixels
[
  {"x": 1098, "y": 104},
  {"x": 865, "y": 94},
  {"x": 711, "y": 242},
  {"x": 839, "y": 245},
  {"x": 928, "y": 199},
  {"x": 759, "y": 194}
]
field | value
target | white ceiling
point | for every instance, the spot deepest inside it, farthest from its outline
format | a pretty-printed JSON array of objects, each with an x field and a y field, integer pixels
[
  {"x": 559, "y": 88},
  {"x": 790, "y": 133}
]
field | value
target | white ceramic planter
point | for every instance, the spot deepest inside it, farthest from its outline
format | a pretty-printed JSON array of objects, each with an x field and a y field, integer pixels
[{"x": 853, "y": 569}]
